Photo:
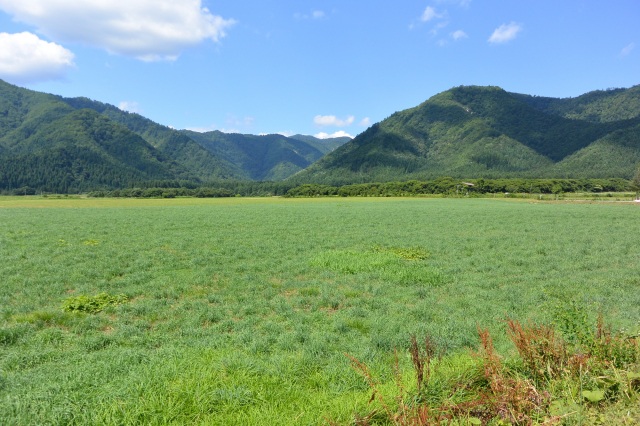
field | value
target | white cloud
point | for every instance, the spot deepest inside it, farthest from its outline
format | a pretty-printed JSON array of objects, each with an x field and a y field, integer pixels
[
  {"x": 332, "y": 120},
  {"x": 459, "y": 35},
  {"x": 25, "y": 58},
  {"x": 436, "y": 29},
  {"x": 429, "y": 14},
  {"x": 130, "y": 106},
  {"x": 626, "y": 51},
  {"x": 316, "y": 14},
  {"x": 433, "y": 16},
  {"x": 235, "y": 122},
  {"x": 505, "y": 33},
  {"x": 365, "y": 122},
  {"x": 145, "y": 29},
  {"x": 338, "y": 134}
]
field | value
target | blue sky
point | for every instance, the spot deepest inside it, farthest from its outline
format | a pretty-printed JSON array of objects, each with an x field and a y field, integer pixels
[{"x": 313, "y": 67}]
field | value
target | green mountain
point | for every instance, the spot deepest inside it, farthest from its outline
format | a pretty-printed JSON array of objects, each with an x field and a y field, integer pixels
[
  {"x": 197, "y": 162},
  {"x": 57, "y": 144},
  {"x": 267, "y": 157},
  {"x": 47, "y": 144},
  {"x": 473, "y": 132}
]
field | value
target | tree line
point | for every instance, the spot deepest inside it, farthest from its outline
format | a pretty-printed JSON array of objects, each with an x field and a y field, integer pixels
[
  {"x": 172, "y": 189},
  {"x": 442, "y": 186},
  {"x": 451, "y": 186}
]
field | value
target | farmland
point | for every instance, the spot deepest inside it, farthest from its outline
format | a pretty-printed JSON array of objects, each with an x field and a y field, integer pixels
[{"x": 241, "y": 311}]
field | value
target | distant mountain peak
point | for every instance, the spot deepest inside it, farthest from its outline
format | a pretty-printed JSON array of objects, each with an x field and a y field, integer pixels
[{"x": 485, "y": 131}]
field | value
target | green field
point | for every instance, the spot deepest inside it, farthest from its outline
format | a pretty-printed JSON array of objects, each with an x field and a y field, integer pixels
[{"x": 240, "y": 311}]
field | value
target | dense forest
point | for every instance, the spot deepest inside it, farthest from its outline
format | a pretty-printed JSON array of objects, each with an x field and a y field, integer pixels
[
  {"x": 67, "y": 145},
  {"x": 51, "y": 144}
]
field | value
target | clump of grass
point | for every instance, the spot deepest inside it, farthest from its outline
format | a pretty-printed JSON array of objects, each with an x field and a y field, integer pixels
[
  {"x": 10, "y": 334},
  {"x": 92, "y": 304},
  {"x": 407, "y": 253},
  {"x": 44, "y": 318}
]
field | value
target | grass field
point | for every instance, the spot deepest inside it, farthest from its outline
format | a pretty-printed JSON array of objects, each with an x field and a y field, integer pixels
[{"x": 240, "y": 311}]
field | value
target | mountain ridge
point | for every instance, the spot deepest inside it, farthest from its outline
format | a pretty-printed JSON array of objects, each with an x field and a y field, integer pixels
[
  {"x": 483, "y": 131},
  {"x": 265, "y": 157},
  {"x": 77, "y": 144}
]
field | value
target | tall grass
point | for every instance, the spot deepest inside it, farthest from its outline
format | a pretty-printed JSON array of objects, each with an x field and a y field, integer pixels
[{"x": 239, "y": 311}]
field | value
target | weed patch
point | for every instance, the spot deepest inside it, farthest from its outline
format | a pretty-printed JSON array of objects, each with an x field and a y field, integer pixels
[
  {"x": 92, "y": 304},
  {"x": 496, "y": 392}
]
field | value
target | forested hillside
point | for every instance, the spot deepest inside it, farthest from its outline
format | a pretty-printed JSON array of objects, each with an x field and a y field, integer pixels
[
  {"x": 49, "y": 145},
  {"x": 54, "y": 144},
  {"x": 200, "y": 163},
  {"x": 486, "y": 132}
]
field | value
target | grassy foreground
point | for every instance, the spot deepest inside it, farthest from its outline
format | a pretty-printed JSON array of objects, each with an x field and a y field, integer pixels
[{"x": 241, "y": 311}]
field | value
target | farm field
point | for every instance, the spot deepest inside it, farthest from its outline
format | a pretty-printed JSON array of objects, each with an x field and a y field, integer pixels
[{"x": 241, "y": 311}]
